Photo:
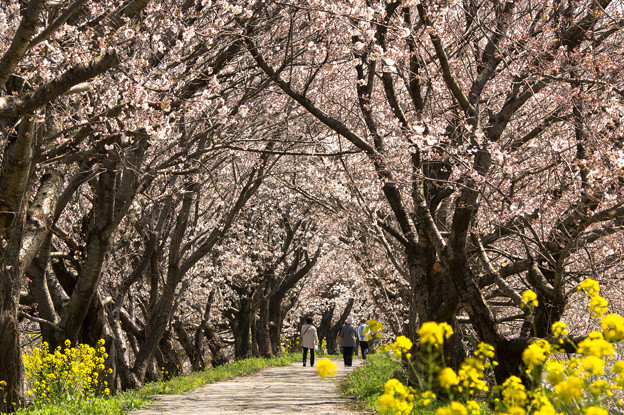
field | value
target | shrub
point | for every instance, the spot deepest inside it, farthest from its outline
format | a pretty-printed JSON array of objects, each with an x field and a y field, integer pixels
[{"x": 65, "y": 375}]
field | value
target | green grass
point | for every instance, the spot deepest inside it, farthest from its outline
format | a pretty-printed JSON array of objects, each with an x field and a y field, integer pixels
[
  {"x": 121, "y": 403},
  {"x": 124, "y": 402},
  {"x": 366, "y": 383}
]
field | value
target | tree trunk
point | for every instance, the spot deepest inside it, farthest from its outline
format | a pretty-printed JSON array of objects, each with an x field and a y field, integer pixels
[
  {"x": 171, "y": 361},
  {"x": 241, "y": 328},
  {"x": 194, "y": 355},
  {"x": 11, "y": 369},
  {"x": 332, "y": 333},
  {"x": 263, "y": 335},
  {"x": 17, "y": 165},
  {"x": 324, "y": 330},
  {"x": 215, "y": 345}
]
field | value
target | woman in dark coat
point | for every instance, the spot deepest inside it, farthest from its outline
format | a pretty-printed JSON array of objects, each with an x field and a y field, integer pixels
[{"x": 349, "y": 340}]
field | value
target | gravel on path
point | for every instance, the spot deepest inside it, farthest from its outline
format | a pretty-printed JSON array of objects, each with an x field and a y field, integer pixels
[{"x": 279, "y": 390}]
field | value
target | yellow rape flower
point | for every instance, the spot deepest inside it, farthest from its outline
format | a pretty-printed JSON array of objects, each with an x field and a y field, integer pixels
[
  {"x": 535, "y": 354},
  {"x": 593, "y": 365},
  {"x": 613, "y": 327},
  {"x": 473, "y": 407},
  {"x": 326, "y": 367},
  {"x": 484, "y": 350},
  {"x": 471, "y": 376},
  {"x": 372, "y": 330},
  {"x": 569, "y": 389},
  {"x": 546, "y": 410},
  {"x": 448, "y": 378},
  {"x": 434, "y": 333},
  {"x": 542, "y": 403},
  {"x": 402, "y": 344},
  {"x": 514, "y": 392},
  {"x": 455, "y": 408},
  {"x": 590, "y": 286},
  {"x": 556, "y": 372},
  {"x": 618, "y": 367},
  {"x": 595, "y": 345},
  {"x": 426, "y": 398},
  {"x": 598, "y": 306},
  {"x": 397, "y": 398},
  {"x": 595, "y": 410},
  {"x": 600, "y": 387},
  {"x": 529, "y": 298},
  {"x": 560, "y": 330}
]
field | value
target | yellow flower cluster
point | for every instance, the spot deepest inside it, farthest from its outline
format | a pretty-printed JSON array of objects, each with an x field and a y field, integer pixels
[
  {"x": 560, "y": 330},
  {"x": 401, "y": 345},
  {"x": 373, "y": 330},
  {"x": 586, "y": 384},
  {"x": 529, "y": 298},
  {"x": 448, "y": 378},
  {"x": 613, "y": 327},
  {"x": 72, "y": 373},
  {"x": 514, "y": 392},
  {"x": 484, "y": 351},
  {"x": 472, "y": 377},
  {"x": 597, "y": 304},
  {"x": 326, "y": 367},
  {"x": 535, "y": 354},
  {"x": 434, "y": 334},
  {"x": 397, "y": 398},
  {"x": 455, "y": 408}
]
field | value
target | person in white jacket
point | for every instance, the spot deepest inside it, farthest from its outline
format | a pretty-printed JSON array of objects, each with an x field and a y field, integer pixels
[{"x": 309, "y": 340}]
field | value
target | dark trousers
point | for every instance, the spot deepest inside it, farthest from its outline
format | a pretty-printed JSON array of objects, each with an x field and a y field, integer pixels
[
  {"x": 305, "y": 356},
  {"x": 347, "y": 355},
  {"x": 364, "y": 348}
]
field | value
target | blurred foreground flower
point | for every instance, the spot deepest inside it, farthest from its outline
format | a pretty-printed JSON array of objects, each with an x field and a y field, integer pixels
[{"x": 326, "y": 367}]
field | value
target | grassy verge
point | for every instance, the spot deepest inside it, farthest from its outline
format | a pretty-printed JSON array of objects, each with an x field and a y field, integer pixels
[
  {"x": 366, "y": 383},
  {"x": 124, "y": 402}
]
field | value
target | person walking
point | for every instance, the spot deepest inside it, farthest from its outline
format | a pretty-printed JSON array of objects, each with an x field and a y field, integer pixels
[
  {"x": 309, "y": 340},
  {"x": 362, "y": 337},
  {"x": 349, "y": 339}
]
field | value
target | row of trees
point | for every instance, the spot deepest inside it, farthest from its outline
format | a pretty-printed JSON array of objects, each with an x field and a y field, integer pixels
[{"x": 198, "y": 173}]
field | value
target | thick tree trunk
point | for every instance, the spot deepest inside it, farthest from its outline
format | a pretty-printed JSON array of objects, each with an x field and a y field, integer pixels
[
  {"x": 329, "y": 331},
  {"x": 11, "y": 369},
  {"x": 17, "y": 169},
  {"x": 171, "y": 361},
  {"x": 275, "y": 322},
  {"x": 241, "y": 328},
  {"x": 263, "y": 335},
  {"x": 324, "y": 330}
]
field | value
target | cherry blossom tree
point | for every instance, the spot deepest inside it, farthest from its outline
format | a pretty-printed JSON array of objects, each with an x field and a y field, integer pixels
[
  {"x": 45, "y": 125},
  {"x": 494, "y": 130}
]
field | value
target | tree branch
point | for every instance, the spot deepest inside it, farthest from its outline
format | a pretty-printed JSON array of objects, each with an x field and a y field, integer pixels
[{"x": 13, "y": 106}]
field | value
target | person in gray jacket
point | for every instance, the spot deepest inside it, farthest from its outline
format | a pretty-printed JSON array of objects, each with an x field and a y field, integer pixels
[
  {"x": 309, "y": 340},
  {"x": 349, "y": 340}
]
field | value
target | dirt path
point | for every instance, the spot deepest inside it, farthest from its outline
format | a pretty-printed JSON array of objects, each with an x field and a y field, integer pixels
[{"x": 280, "y": 390}]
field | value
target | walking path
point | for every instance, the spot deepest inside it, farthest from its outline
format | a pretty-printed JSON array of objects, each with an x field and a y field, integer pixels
[{"x": 279, "y": 390}]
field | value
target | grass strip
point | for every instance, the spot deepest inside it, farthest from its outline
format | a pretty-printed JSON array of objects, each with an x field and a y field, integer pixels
[
  {"x": 366, "y": 383},
  {"x": 124, "y": 402}
]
